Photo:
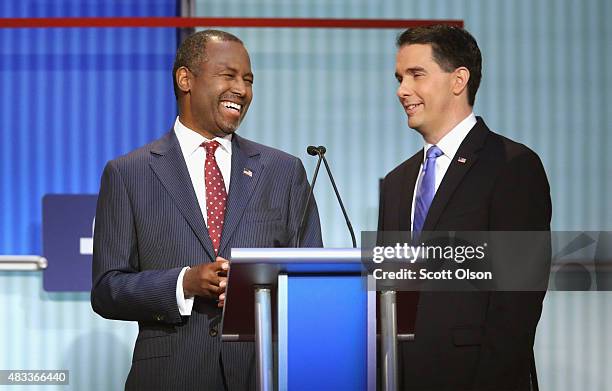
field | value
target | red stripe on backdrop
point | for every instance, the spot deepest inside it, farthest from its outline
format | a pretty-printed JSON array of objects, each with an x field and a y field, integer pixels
[{"x": 221, "y": 22}]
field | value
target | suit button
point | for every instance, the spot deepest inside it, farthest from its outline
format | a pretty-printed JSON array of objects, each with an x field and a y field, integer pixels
[
  {"x": 213, "y": 332},
  {"x": 159, "y": 318}
]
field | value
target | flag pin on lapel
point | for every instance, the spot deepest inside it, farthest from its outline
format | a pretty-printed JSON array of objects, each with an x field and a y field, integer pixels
[
  {"x": 462, "y": 160},
  {"x": 247, "y": 172}
]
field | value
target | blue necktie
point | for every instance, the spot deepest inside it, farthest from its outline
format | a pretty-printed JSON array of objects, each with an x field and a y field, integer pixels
[{"x": 426, "y": 190}]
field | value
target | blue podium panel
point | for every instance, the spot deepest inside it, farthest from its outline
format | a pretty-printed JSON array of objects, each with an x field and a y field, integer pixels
[{"x": 326, "y": 333}]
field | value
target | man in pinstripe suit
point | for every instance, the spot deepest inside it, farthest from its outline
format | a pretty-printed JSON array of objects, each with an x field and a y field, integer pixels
[{"x": 169, "y": 213}]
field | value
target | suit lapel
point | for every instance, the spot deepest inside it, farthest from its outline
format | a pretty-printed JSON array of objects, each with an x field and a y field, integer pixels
[
  {"x": 169, "y": 166},
  {"x": 457, "y": 170},
  {"x": 246, "y": 171}
]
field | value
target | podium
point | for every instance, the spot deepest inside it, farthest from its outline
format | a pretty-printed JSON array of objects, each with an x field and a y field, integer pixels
[{"x": 315, "y": 305}]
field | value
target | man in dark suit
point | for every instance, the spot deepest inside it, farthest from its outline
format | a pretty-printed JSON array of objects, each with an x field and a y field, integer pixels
[
  {"x": 170, "y": 212},
  {"x": 466, "y": 178}
]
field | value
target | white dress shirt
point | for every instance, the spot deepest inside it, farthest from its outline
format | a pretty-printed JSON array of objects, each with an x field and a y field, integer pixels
[
  {"x": 195, "y": 157},
  {"x": 449, "y": 144}
]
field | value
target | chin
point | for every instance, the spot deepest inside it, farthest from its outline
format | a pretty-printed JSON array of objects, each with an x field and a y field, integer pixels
[
  {"x": 413, "y": 124},
  {"x": 229, "y": 128}
]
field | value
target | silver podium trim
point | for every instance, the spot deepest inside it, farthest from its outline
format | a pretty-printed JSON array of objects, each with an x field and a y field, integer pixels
[
  {"x": 22, "y": 262},
  {"x": 263, "y": 339},
  {"x": 388, "y": 334}
]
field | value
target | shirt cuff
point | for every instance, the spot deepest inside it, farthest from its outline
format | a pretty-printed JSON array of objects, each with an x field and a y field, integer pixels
[{"x": 185, "y": 304}]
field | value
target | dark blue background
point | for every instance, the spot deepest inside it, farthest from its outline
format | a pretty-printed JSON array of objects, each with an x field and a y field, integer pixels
[
  {"x": 67, "y": 219},
  {"x": 72, "y": 99}
]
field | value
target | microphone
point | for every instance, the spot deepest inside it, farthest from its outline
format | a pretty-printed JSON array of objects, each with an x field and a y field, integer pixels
[
  {"x": 311, "y": 150},
  {"x": 320, "y": 150}
]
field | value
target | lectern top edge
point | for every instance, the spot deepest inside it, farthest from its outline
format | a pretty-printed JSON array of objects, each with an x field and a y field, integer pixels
[{"x": 296, "y": 255}]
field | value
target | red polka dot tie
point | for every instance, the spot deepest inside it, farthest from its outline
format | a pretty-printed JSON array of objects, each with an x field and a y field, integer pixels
[{"x": 215, "y": 195}]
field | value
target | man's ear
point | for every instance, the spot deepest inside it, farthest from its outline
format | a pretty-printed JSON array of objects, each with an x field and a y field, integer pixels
[
  {"x": 183, "y": 77},
  {"x": 460, "y": 81}
]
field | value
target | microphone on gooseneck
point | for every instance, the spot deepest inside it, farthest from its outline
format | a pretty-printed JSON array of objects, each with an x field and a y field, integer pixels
[
  {"x": 312, "y": 150},
  {"x": 322, "y": 151}
]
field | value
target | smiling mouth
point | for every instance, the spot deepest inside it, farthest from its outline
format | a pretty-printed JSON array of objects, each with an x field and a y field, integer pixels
[
  {"x": 232, "y": 106},
  {"x": 411, "y": 108}
]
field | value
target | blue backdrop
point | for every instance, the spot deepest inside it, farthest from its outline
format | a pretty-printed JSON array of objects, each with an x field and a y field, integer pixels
[{"x": 73, "y": 98}]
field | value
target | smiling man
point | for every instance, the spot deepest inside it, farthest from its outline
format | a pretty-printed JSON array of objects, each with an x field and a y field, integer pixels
[
  {"x": 466, "y": 178},
  {"x": 170, "y": 212}
]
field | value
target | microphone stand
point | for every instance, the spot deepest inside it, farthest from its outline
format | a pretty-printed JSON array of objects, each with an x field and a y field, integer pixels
[
  {"x": 312, "y": 150},
  {"x": 322, "y": 151}
]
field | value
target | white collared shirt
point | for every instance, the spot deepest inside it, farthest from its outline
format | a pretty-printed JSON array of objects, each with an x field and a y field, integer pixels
[
  {"x": 195, "y": 157},
  {"x": 449, "y": 144}
]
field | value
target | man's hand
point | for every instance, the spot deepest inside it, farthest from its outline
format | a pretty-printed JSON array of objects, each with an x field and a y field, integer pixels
[{"x": 207, "y": 280}]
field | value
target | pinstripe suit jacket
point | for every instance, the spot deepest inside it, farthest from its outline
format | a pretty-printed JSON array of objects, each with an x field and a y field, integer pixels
[{"x": 149, "y": 226}]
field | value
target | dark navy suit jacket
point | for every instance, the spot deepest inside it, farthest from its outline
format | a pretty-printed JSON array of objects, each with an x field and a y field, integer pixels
[
  {"x": 149, "y": 226},
  {"x": 473, "y": 340}
]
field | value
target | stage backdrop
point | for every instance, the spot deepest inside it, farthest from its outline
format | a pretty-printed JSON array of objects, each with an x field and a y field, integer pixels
[{"x": 72, "y": 99}]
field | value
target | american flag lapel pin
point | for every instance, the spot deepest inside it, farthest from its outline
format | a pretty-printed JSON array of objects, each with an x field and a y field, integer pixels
[
  {"x": 247, "y": 172},
  {"x": 462, "y": 160}
]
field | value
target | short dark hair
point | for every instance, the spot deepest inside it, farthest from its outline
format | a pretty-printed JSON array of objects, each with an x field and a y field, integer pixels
[
  {"x": 452, "y": 47},
  {"x": 192, "y": 51}
]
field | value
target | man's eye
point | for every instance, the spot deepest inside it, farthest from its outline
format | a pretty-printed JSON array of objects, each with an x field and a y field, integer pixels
[{"x": 249, "y": 81}]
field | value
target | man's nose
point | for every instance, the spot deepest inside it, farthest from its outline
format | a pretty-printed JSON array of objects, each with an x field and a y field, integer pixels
[
  {"x": 239, "y": 87},
  {"x": 404, "y": 90}
]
